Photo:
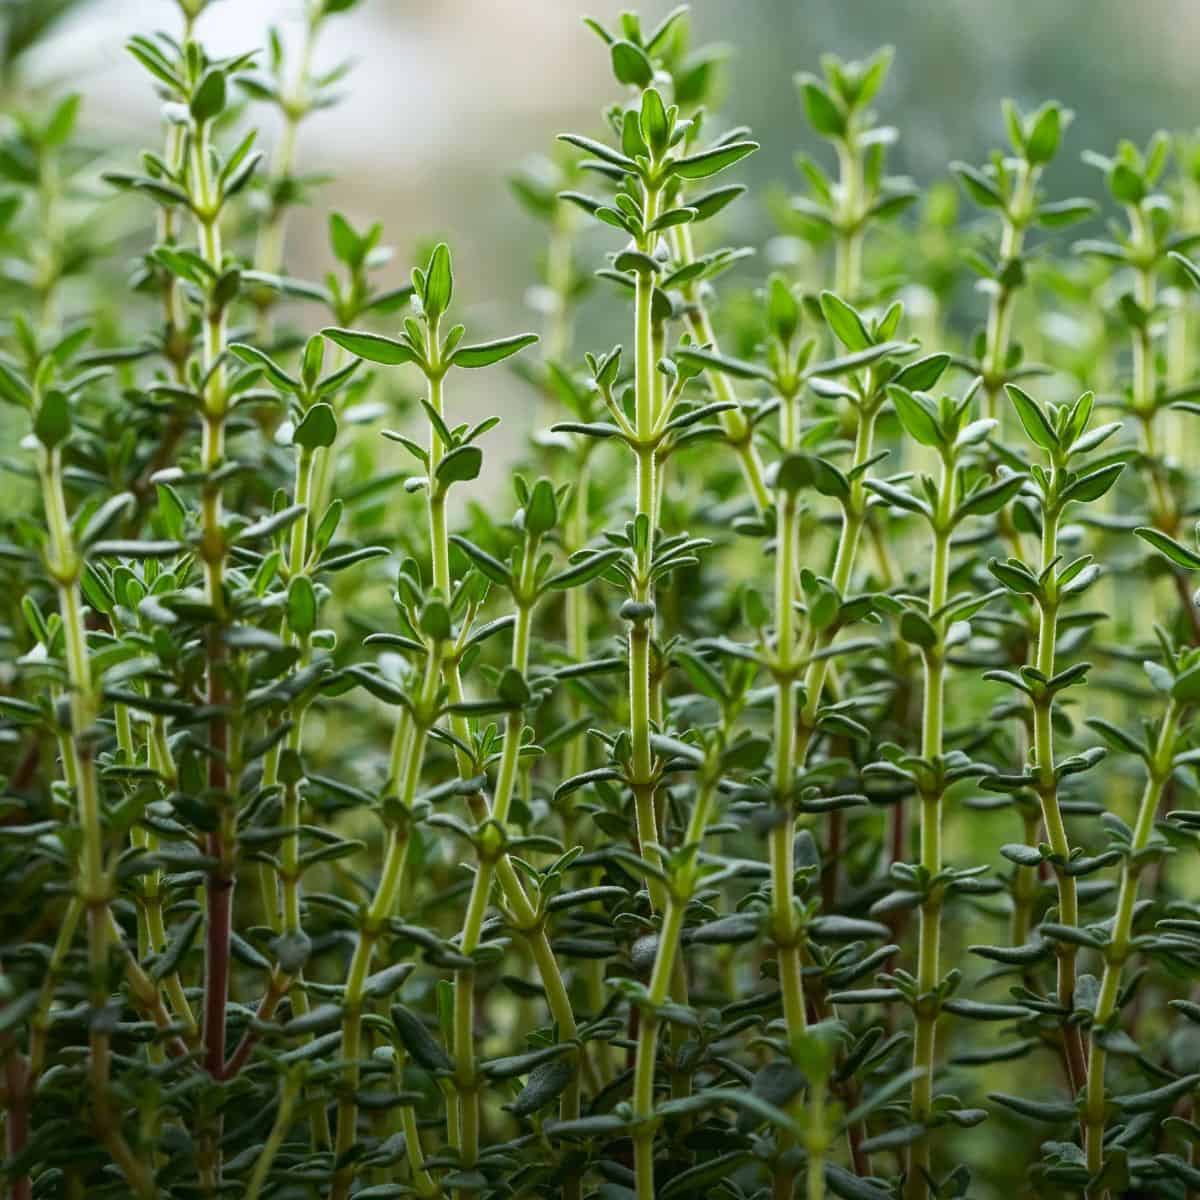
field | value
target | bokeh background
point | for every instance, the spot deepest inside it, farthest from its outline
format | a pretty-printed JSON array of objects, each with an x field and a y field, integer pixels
[{"x": 446, "y": 99}]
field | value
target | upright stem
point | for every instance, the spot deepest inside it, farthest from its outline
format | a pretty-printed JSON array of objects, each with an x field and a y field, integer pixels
[
  {"x": 94, "y": 888},
  {"x": 1119, "y": 949},
  {"x": 269, "y": 250},
  {"x": 927, "y": 1005},
  {"x": 575, "y": 756},
  {"x": 781, "y": 849},
  {"x": 220, "y": 844},
  {"x": 408, "y": 753},
  {"x": 666, "y": 958},
  {"x": 499, "y": 868},
  {"x": 848, "y": 254},
  {"x": 466, "y": 1080},
  {"x": 737, "y": 428},
  {"x": 1047, "y": 790},
  {"x": 853, "y": 519},
  {"x": 266, "y": 1157},
  {"x": 641, "y": 626},
  {"x": 999, "y": 319},
  {"x": 816, "y": 1139},
  {"x": 1144, "y": 399}
]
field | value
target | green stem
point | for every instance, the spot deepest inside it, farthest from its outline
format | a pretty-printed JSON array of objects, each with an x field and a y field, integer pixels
[
  {"x": 1047, "y": 790},
  {"x": 999, "y": 320},
  {"x": 1119, "y": 946},
  {"x": 817, "y": 1139},
  {"x": 466, "y": 1073},
  {"x": 221, "y": 879},
  {"x": 1143, "y": 381},
  {"x": 504, "y": 873},
  {"x": 737, "y": 428},
  {"x": 641, "y": 628},
  {"x": 848, "y": 252},
  {"x": 408, "y": 752},
  {"x": 666, "y": 959},
  {"x": 929, "y": 937},
  {"x": 853, "y": 519},
  {"x": 94, "y": 888},
  {"x": 781, "y": 849},
  {"x": 266, "y": 1157}
]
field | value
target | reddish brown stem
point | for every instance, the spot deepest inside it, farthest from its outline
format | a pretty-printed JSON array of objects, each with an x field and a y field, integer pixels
[
  {"x": 216, "y": 975},
  {"x": 898, "y": 822},
  {"x": 1188, "y": 605},
  {"x": 16, "y": 1125},
  {"x": 829, "y": 881},
  {"x": 276, "y": 990},
  {"x": 220, "y": 880}
]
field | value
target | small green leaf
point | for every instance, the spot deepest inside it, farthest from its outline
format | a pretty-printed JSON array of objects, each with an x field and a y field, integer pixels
[
  {"x": 485, "y": 353},
  {"x": 583, "y": 570},
  {"x": 1126, "y": 184},
  {"x": 1033, "y": 418},
  {"x": 916, "y": 629},
  {"x": 513, "y": 689},
  {"x": 916, "y": 416},
  {"x": 460, "y": 466},
  {"x": 1091, "y": 487},
  {"x": 347, "y": 246},
  {"x": 821, "y": 109},
  {"x": 419, "y": 1042},
  {"x": 923, "y": 374},
  {"x": 710, "y": 360},
  {"x": 848, "y": 327},
  {"x": 709, "y": 162},
  {"x": 630, "y": 64},
  {"x": 318, "y": 429},
  {"x": 1042, "y": 143},
  {"x": 990, "y": 499},
  {"x": 541, "y": 512},
  {"x": 372, "y": 347},
  {"x": 52, "y": 425},
  {"x": 1178, "y": 553},
  {"x": 653, "y": 120},
  {"x": 439, "y": 282},
  {"x": 1186, "y": 688},
  {"x": 208, "y": 100},
  {"x": 979, "y": 186},
  {"x": 301, "y": 606}
]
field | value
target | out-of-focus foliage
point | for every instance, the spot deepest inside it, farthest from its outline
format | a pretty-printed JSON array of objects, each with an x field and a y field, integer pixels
[{"x": 790, "y": 793}]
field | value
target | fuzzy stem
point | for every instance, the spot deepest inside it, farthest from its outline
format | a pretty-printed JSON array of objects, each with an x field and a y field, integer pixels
[
  {"x": 1119, "y": 949},
  {"x": 641, "y": 628},
  {"x": 221, "y": 880},
  {"x": 412, "y": 732},
  {"x": 266, "y": 1157},
  {"x": 929, "y": 936},
  {"x": 999, "y": 319},
  {"x": 782, "y": 838},
  {"x": 466, "y": 1071},
  {"x": 853, "y": 518},
  {"x": 737, "y": 428},
  {"x": 575, "y": 759},
  {"x": 848, "y": 251},
  {"x": 94, "y": 886},
  {"x": 816, "y": 1139},
  {"x": 666, "y": 959},
  {"x": 1047, "y": 790}
]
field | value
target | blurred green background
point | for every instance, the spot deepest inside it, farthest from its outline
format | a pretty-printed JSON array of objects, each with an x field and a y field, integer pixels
[{"x": 446, "y": 98}]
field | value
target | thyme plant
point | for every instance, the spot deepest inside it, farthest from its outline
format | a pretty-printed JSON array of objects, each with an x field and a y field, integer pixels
[{"x": 793, "y": 796}]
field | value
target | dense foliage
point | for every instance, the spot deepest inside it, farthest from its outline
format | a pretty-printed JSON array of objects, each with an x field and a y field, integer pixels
[{"x": 792, "y": 796}]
